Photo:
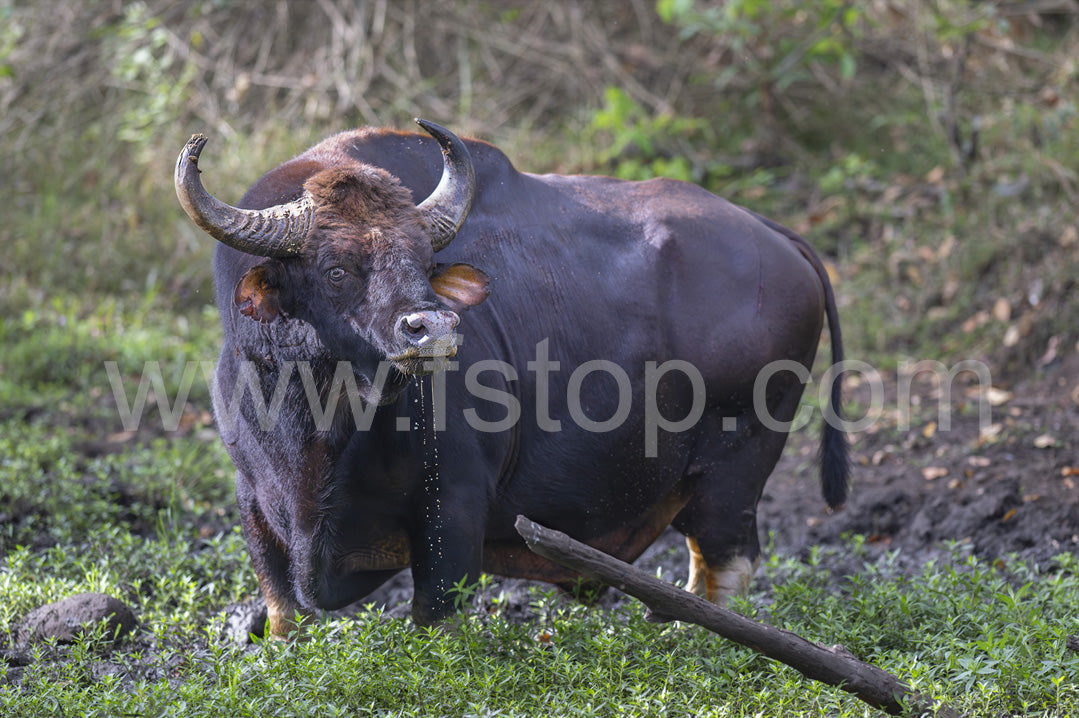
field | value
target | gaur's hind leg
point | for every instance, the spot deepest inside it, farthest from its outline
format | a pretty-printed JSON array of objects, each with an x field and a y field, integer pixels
[
  {"x": 728, "y": 472},
  {"x": 724, "y": 550},
  {"x": 718, "y": 584}
]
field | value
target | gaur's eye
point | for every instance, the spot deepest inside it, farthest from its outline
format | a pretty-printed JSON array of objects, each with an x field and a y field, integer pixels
[{"x": 336, "y": 274}]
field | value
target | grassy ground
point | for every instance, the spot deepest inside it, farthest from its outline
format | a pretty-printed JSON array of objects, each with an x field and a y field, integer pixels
[
  {"x": 939, "y": 251},
  {"x": 154, "y": 527}
]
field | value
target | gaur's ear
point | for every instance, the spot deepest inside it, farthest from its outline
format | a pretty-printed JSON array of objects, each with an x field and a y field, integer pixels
[
  {"x": 460, "y": 286},
  {"x": 258, "y": 293}
]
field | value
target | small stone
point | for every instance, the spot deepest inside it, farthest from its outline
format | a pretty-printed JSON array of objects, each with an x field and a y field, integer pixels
[
  {"x": 65, "y": 620},
  {"x": 243, "y": 620}
]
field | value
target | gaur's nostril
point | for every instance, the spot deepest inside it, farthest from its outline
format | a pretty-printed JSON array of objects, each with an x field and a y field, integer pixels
[
  {"x": 435, "y": 323},
  {"x": 427, "y": 328}
]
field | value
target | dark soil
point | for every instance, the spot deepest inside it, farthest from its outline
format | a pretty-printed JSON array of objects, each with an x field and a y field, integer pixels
[{"x": 1010, "y": 487}]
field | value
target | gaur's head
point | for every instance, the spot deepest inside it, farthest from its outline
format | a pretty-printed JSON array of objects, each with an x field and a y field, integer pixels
[{"x": 354, "y": 257}]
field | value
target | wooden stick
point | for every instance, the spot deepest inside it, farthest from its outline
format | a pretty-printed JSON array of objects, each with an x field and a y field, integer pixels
[{"x": 835, "y": 666}]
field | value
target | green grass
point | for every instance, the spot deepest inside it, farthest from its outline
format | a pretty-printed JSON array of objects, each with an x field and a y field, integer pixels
[
  {"x": 58, "y": 352},
  {"x": 52, "y": 496},
  {"x": 984, "y": 639}
]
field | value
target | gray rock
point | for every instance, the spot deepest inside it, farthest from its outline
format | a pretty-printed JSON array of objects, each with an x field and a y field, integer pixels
[
  {"x": 242, "y": 620},
  {"x": 67, "y": 619}
]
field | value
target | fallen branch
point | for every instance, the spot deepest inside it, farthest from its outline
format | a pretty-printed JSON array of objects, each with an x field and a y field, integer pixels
[{"x": 835, "y": 665}]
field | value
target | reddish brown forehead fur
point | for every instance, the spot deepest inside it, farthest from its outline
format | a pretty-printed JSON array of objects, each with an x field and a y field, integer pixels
[{"x": 359, "y": 197}]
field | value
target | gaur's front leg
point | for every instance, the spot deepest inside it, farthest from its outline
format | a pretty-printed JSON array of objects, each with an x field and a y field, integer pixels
[
  {"x": 284, "y": 613},
  {"x": 447, "y": 549}
]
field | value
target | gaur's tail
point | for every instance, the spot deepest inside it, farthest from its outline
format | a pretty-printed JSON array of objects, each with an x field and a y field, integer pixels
[{"x": 834, "y": 449}]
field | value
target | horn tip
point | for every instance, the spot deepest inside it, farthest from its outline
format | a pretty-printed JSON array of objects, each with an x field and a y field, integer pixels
[{"x": 195, "y": 144}]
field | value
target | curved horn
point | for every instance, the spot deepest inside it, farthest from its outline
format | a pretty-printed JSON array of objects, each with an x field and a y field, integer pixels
[
  {"x": 278, "y": 231},
  {"x": 445, "y": 210}
]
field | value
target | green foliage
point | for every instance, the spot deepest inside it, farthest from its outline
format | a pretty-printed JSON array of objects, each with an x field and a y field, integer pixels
[
  {"x": 10, "y": 32},
  {"x": 642, "y": 145},
  {"x": 143, "y": 62},
  {"x": 772, "y": 45},
  {"x": 794, "y": 34},
  {"x": 847, "y": 174},
  {"x": 59, "y": 353}
]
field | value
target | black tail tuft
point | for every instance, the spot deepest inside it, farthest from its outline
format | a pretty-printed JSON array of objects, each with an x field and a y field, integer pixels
[
  {"x": 834, "y": 449},
  {"x": 834, "y": 455}
]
